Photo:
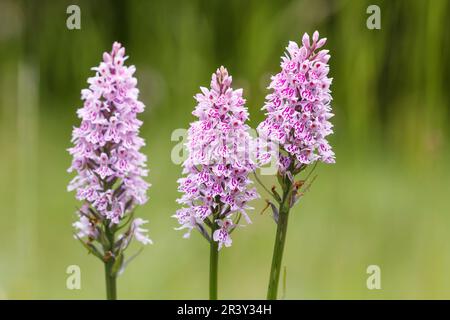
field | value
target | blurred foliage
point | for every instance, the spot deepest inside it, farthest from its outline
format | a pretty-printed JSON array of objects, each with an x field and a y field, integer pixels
[{"x": 384, "y": 202}]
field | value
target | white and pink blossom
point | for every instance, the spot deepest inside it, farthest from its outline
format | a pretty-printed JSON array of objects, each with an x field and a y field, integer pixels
[
  {"x": 298, "y": 108},
  {"x": 106, "y": 148},
  {"x": 216, "y": 186}
]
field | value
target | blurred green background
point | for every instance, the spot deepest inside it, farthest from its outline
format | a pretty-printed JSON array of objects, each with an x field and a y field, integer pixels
[{"x": 384, "y": 202}]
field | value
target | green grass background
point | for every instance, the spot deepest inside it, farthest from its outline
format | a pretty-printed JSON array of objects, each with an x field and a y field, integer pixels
[{"x": 384, "y": 202}]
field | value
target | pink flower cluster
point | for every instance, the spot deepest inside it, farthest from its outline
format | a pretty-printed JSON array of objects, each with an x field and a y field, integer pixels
[
  {"x": 298, "y": 109},
  {"x": 216, "y": 187},
  {"x": 110, "y": 168}
]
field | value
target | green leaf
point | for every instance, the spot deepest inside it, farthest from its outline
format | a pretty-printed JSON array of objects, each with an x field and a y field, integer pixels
[
  {"x": 275, "y": 212},
  {"x": 276, "y": 195},
  {"x": 203, "y": 232},
  {"x": 125, "y": 264},
  {"x": 91, "y": 248},
  {"x": 117, "y": 265}
]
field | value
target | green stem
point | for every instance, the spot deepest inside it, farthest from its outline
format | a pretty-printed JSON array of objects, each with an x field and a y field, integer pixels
[
  {"x": 280, "y": 239},
  {"x": 111, "y": 289},
  {"x": 110, "y": 276},
  {"x": 213, "y": 264}
]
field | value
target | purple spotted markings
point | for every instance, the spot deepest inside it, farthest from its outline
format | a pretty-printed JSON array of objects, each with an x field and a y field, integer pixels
[
  {"x": 109, "y": 166},
  {"x": 298, "y": 108},
  {"x": 215, "y": 187}
]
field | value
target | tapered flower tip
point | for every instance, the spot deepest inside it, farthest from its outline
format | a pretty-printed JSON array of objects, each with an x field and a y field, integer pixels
[
  {"x": 305, "y": 40},
  {"x": 116, "y": 46},
  {"x": 222, "y": 74},
  {"x": 117, "y": 50},
  {"x": 106, "y": 57},
  {"x": 221, "y": 80},
  {"x": 315, "y": 36},
  {"x": 321, "y": 43},
  {"x": 222, "y": 71}
]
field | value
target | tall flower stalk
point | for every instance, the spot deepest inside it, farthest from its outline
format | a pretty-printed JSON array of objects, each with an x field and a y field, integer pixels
[
  {"x": 298, "y": 112},
  {"x": 216, "y": 187},
  {"x": 109, "y": 166}
]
